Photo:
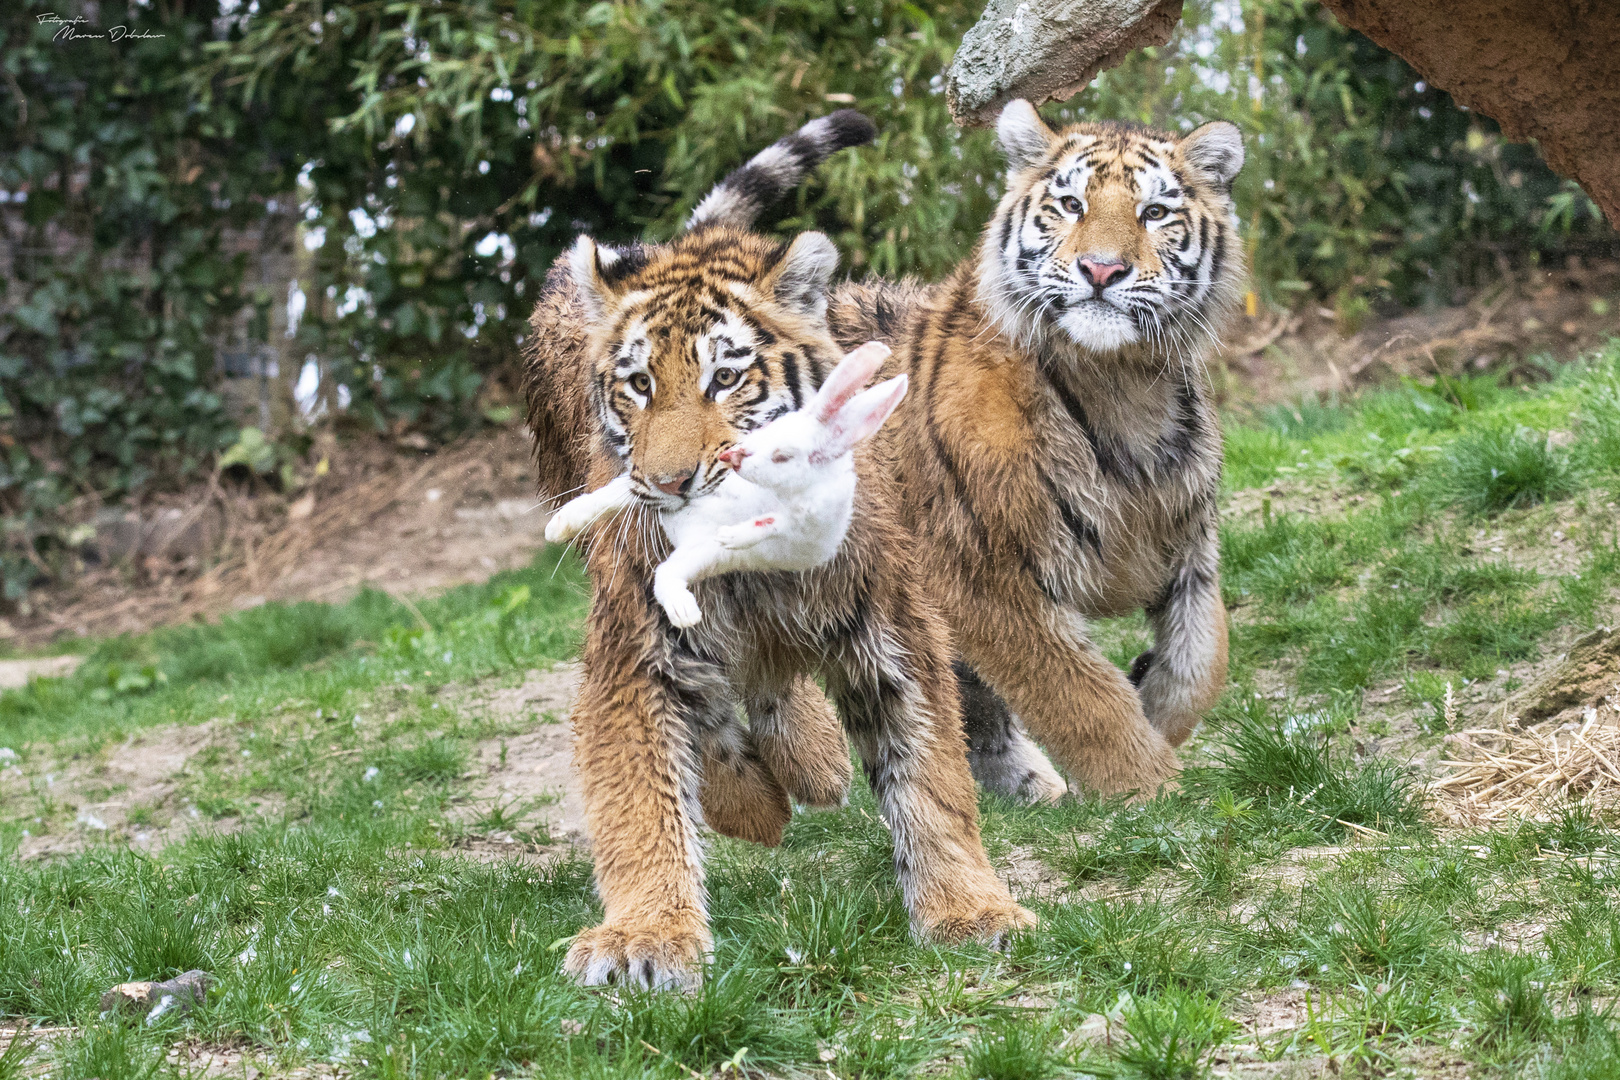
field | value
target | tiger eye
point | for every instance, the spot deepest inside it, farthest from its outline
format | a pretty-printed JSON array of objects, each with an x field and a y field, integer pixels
[
  {"x": 1156, "y": 212},
  {"x": 725, "y": 377},
  {"x": 1070, "y": 205},
  {"x": 641, "y": 382}
]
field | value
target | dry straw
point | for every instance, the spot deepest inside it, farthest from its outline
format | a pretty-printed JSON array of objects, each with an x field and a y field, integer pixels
[{"x": 1528, "y": 772}]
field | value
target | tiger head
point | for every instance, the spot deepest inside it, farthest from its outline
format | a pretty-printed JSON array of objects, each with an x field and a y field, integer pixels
[
  {"x": 696, "y": 341},
  {"x": 1115, "y": 236}
]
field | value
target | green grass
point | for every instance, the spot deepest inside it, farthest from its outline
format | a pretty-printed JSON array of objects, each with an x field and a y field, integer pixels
[
  {"x": 1297, "y": 863},
  {"x": 334, "y": 656}
]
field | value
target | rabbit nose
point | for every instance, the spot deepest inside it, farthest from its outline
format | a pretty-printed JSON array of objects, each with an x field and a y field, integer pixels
[
  {"x": 677, "y": 484},
  {"x": 733, "y": 457}
]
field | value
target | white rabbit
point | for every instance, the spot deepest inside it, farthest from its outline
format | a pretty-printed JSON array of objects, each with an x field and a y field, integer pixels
[{"x": 785, "y": 506}]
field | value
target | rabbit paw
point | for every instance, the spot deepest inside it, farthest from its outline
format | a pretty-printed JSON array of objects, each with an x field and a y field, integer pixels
[
  {"x": 564, "y": 526},
  {"x": 681, "y": 606},
  {"x": 746, "y": 535}
]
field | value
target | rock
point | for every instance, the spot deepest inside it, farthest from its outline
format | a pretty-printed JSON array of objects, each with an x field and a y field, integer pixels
[
  {"x": 171, "y": 533},
  {"x": 153, "y": 999},
  {"x": 1584, "y": 679}
]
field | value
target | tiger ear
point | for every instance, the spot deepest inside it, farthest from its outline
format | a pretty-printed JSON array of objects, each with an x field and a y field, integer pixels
[
  {"x": 1022, "y": 135},
  {"x": 800, "y": 278},
  {"x": 1215, "y": 151},
  {"x": 599, "y": 273}
]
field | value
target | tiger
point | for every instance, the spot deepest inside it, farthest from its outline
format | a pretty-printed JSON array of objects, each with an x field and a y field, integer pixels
[
  {"x": 1058, "y": 456},
  {"x": 650, "y": 361},
  {"x": 1057, "y": 460}
]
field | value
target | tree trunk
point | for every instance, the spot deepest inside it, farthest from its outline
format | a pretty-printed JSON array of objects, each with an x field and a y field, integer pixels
[
  {"x": 1045, "y": 49},
  {"x": 1547, "y": 70}
]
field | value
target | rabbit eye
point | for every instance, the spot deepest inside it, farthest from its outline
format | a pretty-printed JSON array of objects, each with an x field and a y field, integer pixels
[
  {"x": 780, "y": 456},
  {"x": 1071, "y": 205},
  {"x": 1156, "y": 212},
  {"x": 641, "y": 383},
  {"x": 726, "y": 377}
]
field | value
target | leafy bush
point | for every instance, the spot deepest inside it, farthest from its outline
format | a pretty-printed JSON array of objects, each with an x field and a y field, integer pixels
[{"x": 428, "y": 164}]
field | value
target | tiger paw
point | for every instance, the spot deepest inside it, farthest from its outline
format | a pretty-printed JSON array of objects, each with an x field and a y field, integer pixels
[
  {"x": 991, "y": 919},
  {"x": 1019, "y": 771},
  {"x": 650, "y": 953}
]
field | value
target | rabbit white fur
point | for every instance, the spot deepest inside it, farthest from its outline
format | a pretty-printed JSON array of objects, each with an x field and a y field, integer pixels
[{"x": 786, "y": 505}]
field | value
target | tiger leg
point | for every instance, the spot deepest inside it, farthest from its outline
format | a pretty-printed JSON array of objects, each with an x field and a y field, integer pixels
[
  {"x": 635, "y": 733},
  {"x": 741, "y": 794},
  {"x": 900, "y": 709},
  {"x": 1002, "y": 757},
  {"x": 1182, "y": 675},
  {"x": 1077, "y": 704},
  {"x": 802, "y": 742}
]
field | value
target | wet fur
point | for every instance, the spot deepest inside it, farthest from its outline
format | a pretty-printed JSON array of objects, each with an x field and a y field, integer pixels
[{"x": 657, "y": 740}]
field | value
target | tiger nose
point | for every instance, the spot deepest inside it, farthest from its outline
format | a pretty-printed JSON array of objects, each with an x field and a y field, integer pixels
[
  {"x": 676, "y": 483},
  {"x": 1103, "y": 272}
]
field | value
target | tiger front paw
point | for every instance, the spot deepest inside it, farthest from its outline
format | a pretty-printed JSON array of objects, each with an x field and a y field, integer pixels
[
  {"x": 651, "y": 953},
  {"x": 1019, "y": 771}
]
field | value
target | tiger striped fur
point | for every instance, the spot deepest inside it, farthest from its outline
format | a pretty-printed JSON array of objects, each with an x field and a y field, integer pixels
[
  {"x": 798, "y": 748},
  {"x": 1058, "y": 456},
  {"x": 698, "y": 339},
  {"x": 678, "y": 347},
  {"x": 1058, "y": 460}
]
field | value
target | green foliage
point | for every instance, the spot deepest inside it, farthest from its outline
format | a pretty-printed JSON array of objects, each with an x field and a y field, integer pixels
[
  {"x": 1016, "y": 1049},
  {"x": 1512, "y": 1002},
  {"x": 1171, "y": 1035},
  {"x": 122, "y": 283},
  {"x": 1288, "y": 760},
  {"x": 432, "y": 162}
]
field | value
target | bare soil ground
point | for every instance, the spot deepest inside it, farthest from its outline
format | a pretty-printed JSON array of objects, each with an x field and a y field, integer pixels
[
  {"x": 131, "y": 793},
  {"x": 533, "y": 770},
  {"x": 122, "y": 793},
  {"x": 1541, "y": 315},
  {"x": 407, "y": 522}
]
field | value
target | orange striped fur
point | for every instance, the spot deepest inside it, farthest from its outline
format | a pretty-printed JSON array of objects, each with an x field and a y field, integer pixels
[{"x": 687, "y": 344}]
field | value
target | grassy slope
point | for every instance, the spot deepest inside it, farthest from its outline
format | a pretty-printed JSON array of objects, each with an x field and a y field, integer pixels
[{"x": 344, "y": 928}]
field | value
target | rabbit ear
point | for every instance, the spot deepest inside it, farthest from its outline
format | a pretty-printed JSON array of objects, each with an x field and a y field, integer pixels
[
  {"x": 863, "y": 415},
  {"x": 848, "y": 377}
]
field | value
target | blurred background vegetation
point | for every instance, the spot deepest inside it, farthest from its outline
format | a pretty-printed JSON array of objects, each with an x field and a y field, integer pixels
[{"x": 413, "y": 169}]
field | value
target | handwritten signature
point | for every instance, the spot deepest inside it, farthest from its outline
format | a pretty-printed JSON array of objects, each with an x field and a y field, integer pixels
[{"x": 68, "y": 30}]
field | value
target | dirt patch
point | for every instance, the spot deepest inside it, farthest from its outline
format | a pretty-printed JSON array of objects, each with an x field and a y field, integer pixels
[
  {"x": 192, "y": 1057},
  {"x": 1029, "y": 878},
  {"x": 15, "y": 673},
  {"x": 532, "y": 769},
  {"x": 1514, "y": 327},
  {"x": 121, "y": 794},
  {"x": 405, "y": 522}
]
